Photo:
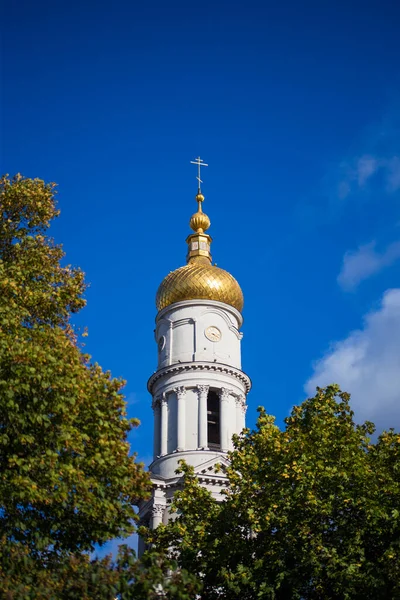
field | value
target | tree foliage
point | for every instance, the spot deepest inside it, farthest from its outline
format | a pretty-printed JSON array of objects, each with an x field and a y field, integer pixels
[
  {"x": 67, "y": 480},
  {"x": 312, "y": 512},
  {"x": 73, "y": 576}
]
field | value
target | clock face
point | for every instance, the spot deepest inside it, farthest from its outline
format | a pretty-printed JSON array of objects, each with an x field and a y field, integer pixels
[
  {"x": 213, "y": 334},
  {"x": 161, "y": 343}
]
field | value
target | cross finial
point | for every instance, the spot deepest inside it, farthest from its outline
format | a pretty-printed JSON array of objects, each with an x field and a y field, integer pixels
[{"x": 199, "y": 162}]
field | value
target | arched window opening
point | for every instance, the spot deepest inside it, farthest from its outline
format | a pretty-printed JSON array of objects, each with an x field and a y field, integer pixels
[{"x": 213, "y": 419}]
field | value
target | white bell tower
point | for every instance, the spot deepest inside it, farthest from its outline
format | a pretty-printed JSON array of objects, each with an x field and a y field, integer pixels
[{"x": 199, "y": 389}]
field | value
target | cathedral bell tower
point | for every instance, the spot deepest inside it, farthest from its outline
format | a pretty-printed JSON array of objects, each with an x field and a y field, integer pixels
[{"x": 199, "y": 389}]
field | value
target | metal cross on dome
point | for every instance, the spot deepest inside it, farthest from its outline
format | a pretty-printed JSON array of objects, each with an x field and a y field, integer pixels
[{"x": 199, "y": 162}]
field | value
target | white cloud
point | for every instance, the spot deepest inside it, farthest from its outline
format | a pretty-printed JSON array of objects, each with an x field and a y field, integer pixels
[
  {"x": 369, "y": 173},
  {"x": 357, "y": 173},
  {"x": 364, "y": 262},
  {"x": 132, "y": 398},
  {"x": 393, "y": 177},
  {"x": 366, "y": 167},
  {"x": 367, "y": 364}
]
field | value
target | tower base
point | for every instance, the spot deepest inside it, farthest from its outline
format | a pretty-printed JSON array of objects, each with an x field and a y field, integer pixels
[{"x": 156, "y": 510}]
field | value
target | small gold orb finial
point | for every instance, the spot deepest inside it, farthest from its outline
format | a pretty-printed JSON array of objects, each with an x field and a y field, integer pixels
[{"x": 199, "y": 222}]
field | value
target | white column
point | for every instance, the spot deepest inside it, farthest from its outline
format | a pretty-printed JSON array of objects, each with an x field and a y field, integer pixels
[
  {"x": 164, "y": 425},
  {"x": 180, "y": 399},
  {"x": 231, "y": 419},
  {"x": 240, "y": 402},
  {"x": 157, "y": 427},
  {"x": 156, "y": 515},
  {"x": 244, "y": 409},
  {"x": 224, "y": 418},
  {"x": 202, "y": 391}
]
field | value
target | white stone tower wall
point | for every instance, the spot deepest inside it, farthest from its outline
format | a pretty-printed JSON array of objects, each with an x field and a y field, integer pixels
[
  {"x": 189, "y": 366},
  {"x": 180, "y": 333}
]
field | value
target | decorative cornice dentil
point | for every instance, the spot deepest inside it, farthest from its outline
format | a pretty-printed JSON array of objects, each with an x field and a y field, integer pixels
[{"x": 200, "y": 366}]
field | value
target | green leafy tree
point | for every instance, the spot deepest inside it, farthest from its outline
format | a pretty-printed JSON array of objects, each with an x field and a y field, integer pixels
[
  {"x": 312, "y": 512},
  {"x": 76, "y": 577},
  {"x": 154, "y": 577},
  {"x": 67, "y": 480}
]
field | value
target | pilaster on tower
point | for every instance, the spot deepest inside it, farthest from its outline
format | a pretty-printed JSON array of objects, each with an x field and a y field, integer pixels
[{"x": 199, "y": 390}]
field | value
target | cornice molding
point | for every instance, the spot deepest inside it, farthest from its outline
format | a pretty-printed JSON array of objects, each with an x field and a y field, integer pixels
[
  {"x": 206, "y": 303},
  {"x": 199, "y": 366}
]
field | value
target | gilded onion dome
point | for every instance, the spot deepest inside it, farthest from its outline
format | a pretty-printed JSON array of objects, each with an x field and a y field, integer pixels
[{"x": 199, "y": 279}]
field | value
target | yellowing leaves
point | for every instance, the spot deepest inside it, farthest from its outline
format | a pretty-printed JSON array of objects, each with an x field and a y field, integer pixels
[
  {"x": 312, "y": 511},
  {"x": 64, "y": 428}
]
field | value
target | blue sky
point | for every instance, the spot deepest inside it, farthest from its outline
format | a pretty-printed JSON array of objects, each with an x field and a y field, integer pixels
[{"x": 296, "y": 108}]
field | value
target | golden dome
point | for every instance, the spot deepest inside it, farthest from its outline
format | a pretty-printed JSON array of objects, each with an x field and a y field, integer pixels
[{"x": 199, "y": 281}]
